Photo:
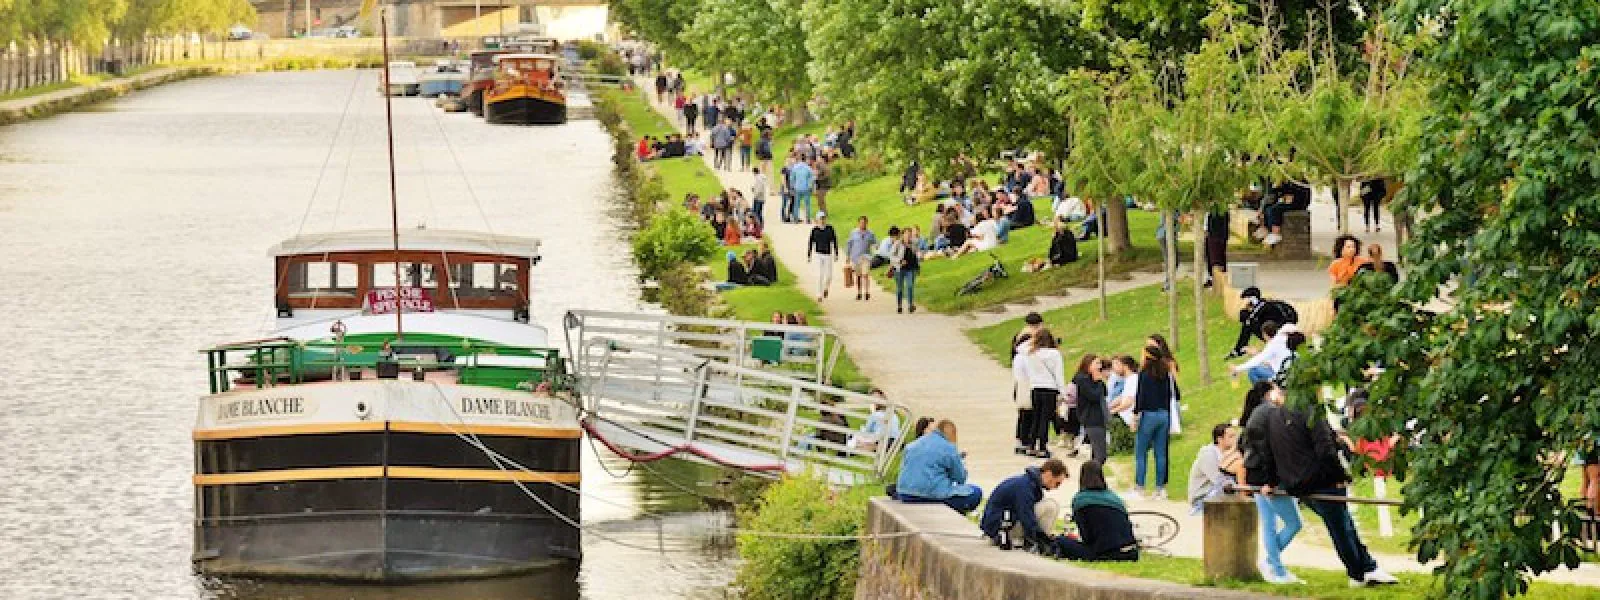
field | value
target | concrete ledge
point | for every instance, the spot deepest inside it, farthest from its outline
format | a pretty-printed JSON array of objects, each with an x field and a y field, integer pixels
[{"x": 950, "y": 560}]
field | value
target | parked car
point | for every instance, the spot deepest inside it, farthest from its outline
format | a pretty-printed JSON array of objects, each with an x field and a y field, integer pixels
[
  {"x": 348, "y": 31},
  {"x": 240, "y": 32}
]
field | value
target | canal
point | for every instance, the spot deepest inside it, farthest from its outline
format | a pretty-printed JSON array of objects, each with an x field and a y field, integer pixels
[{"x": 135, "y": 233}]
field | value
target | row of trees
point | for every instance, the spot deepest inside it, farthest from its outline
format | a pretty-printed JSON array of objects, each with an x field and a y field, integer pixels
[
  {"x": 1484, "y": 108},
  {"x": 92, "y": 23}
]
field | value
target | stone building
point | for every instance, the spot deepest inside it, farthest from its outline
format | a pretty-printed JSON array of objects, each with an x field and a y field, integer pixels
[{"x": 560, "y": 19}]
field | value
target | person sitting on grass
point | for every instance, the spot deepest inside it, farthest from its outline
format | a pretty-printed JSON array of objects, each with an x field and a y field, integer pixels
[
  {"x": 1104, "y": 531},
  {"x": 1063, "y": 246},
  {"x": 765, "y": 266},
  {"x": 752, "y": 269},
  {"x": 932, "y": 472},
  {"x": 1020, "y": 501},
  {"x": 985, "y": 237}
]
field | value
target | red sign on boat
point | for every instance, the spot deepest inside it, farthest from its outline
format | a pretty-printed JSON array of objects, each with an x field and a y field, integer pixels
[{"x": 412, "y": 300}]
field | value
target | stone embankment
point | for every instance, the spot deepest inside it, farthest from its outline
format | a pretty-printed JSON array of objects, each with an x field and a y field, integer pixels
[
  {"x": 43, "y": 105},
  {"x": 948, "y": 560}
]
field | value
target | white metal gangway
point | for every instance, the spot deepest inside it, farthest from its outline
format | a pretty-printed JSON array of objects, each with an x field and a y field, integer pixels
[
  {"x": 651, "y": 396},
  {"x": 800, "y": 351}
]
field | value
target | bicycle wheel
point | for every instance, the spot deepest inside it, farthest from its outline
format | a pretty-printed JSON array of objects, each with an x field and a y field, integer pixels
[{"x": 1153, "y": 529}]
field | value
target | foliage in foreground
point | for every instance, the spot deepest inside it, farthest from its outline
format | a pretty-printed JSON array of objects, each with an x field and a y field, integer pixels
[
  {"x": 782, "y": 569},
  {"x": 1501, "y": 380}
]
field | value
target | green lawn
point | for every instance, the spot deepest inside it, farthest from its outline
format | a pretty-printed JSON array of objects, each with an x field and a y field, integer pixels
[
  {"x": 880, "y": 201},
  {"x": 1320, "y": 583},
  {"x": 1135, "y": 314},
  {"x": 690, "y": 174}
]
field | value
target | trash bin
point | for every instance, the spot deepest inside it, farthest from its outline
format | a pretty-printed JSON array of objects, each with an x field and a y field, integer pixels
[
  {"x": 767, "y": 349},
  {"x": 1242, "y": 275},
  {"x": 113, "y": 66}
]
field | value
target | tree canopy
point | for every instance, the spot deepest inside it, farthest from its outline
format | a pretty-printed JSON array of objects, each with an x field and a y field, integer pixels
[
  {"x": 760, "y": 41},
  {"x": 1495, "y": 374},
  {"x": 91, "y": 23}
]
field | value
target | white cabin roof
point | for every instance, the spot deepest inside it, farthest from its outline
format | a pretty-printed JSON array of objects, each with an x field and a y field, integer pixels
[
  {"x": 500, "y": 57},
  {"x": 429, "y": 240}
]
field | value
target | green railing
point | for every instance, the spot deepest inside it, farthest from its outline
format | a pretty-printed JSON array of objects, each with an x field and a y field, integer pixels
[{"x": 268, "y": 363}]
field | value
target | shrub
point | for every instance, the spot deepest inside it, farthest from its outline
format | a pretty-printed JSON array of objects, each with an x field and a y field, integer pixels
[
  {"x": 784, "y": 569},
  {"x": 851, "y": 171},
  {"x": 672, "y": 238},
  {"x": 681, "y": 291},
  {"x": 611, "y": 64},
  {"x": 590, "y": 49},
  {"x": 1119, "y": 437}
]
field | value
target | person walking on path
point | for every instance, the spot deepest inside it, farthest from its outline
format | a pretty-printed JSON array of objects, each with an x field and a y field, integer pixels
[
  {"x": 858, "y": 254},
  {"x": 1088, "y": 386},
  {"x": 932, "y": 472},
  {"x": 710, "y": 113},
  {"x": 905, "y": 262},
  {"x": 1032, "y": 324},
  {"x": 786, "y": 191},
  {"x": 1157, "y": 393},
  {"x": 747, "y": 140},
  {"x": 1046, "y": 376},
  {"x": 722, "y": 137},
  {"x": 822, "y": 246},
  {"x": 661, "y": 88},
  {"x": 803, "y": 181},
  {"x": 824, "y": 175},
  {"x": 691, "y": 113},
  {"x": 758, "y": 195}
]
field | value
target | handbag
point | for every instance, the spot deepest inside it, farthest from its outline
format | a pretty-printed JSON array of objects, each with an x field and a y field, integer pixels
[{"x": 849, "y": 276}]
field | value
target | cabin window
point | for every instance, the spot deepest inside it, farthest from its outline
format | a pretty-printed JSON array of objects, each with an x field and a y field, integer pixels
[
  {"x": 322, "y": 279},
  {"x": 493, "y": 280},
  {"x": 412, "y": 274}
]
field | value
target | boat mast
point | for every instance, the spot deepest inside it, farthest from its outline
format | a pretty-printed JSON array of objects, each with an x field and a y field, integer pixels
[{"x": 394, "y": 204}]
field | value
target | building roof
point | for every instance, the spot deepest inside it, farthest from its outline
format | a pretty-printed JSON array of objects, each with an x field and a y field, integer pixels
[{"x": 430, "y": 240}]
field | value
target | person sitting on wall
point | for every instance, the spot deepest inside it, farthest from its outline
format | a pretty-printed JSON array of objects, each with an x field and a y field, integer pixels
[
  {"x": 1020, "y": 500},
  {"x": 1104, "y": 531},
  {"x": 931, "y": 472}
]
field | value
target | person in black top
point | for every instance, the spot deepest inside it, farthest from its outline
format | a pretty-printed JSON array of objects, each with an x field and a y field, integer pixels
[
  {"x": 1257, "y": 312},
  {"x": 737, "y": 273},
  {"x": 675, "y": 147},
  {"x": 752, "y": 267},
  {"x": 1379, "y": 265},
  {"x": 661, "y": 87},
  {"x": 691, "y": 113},
  {"x": 765, "y": 266},
  {"x": 1104, "y": 531},
  {"x": 1089, "y": 388},
  {"x": 1063, "y": 246},
  {"x": 1288, "y": 196},
  {"x": 1217, "y": 224},
  {"x": 824, "y": 245},
  {"x": 1372, "y": 193},
  {"x": 1152, "y": 410}
]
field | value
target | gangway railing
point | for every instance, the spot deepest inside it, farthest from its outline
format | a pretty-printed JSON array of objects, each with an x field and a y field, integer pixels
[
  {"x": 730, "y": 414},
  {"x": 800, "y": 351}
]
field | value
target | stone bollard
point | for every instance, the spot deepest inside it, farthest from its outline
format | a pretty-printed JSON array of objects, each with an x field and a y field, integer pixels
[{"x": 1231, "y": 541}]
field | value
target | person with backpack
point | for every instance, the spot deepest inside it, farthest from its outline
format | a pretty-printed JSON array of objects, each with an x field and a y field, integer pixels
[{"x": 1257, "y": 312}]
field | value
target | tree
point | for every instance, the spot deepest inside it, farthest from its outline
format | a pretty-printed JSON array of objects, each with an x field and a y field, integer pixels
[
  {"x": 1498, "y": 373},
  {"x": 1198, "y": 134},
  {"x": 761, "y": 41},
  {"x": 1104, "y": 156},
  {"x": 660, "y": 21},
  {"x": 85, "y": 23},
  {"x": 932, "y": 80}
]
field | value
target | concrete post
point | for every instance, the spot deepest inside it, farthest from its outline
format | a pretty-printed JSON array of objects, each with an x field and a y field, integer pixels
[{"x": 1231, "y": 541}]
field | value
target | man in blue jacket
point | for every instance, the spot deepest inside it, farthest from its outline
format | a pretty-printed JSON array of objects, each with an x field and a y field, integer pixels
[
  {"x": 932, "y": 472},
  {"x": 1020, "y": 499}
]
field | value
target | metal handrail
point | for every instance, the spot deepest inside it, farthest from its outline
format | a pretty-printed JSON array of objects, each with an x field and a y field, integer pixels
[
  {"x": 269, "y": 361},
  {"x": 820, "y": 350},
  {"x": 713, "y": 404}
]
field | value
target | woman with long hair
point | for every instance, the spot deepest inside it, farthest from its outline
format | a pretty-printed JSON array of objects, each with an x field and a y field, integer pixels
[
  {"x": 1104, "y": 530},
  {"x": 1089, "y": 388},
  {"x": 1152, "y": 408},
  {"x": 1046, "y": 377}
]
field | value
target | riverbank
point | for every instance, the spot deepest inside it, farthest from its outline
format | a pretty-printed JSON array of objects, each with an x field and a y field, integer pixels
[{"x": 63, "y": 99}]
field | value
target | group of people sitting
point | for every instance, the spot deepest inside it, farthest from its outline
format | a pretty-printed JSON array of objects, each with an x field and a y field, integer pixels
[
  {"x": 752, "y": 268},
  {"x": 675, "y": 145},
  {"x": 1018, "y": 514},
  {"x": 731, "y": 218}
]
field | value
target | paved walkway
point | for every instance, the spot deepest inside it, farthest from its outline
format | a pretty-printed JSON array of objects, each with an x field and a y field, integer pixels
[{"x": 926, "y": 361}]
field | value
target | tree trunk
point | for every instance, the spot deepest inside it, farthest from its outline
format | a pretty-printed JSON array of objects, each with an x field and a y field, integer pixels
[
  {"x": 1170, "y": 255},
  {"x": 1105, "y": 315},
  {"x": 1114, "y": 228},
  {"x": 1201, "y": 270},
  {"x": 1341, "y": 192}
]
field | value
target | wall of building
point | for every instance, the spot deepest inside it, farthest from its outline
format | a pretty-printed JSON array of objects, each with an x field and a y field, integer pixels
[{"x": 947, "y": 559}]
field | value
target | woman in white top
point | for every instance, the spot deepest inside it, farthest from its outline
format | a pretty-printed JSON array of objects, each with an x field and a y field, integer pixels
[
  {"x": 1047, "y": 378},
  {"x": 983, "y": 237}
]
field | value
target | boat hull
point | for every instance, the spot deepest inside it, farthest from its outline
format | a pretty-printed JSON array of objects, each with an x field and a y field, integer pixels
[
  {"x": 525, "y": 111},
  {"x": 402, "y": 494},
  {"x": 439, "y": 87},
  {"x": 474, "y": 102}
]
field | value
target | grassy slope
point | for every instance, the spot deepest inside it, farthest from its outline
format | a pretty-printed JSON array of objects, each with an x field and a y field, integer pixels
[
  {"x": 690, "y": 174},
  {"x": 880, "y": 201},
  {"x": 1134, "y": 315},
  {"x": 1319, "y": 583}
]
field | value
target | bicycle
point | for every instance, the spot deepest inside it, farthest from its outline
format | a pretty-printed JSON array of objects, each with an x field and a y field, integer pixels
[{"x": 995, "y": 271}]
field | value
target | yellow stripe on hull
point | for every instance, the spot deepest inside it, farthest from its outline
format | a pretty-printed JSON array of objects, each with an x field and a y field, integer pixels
[{"x": 285, "y": 475}]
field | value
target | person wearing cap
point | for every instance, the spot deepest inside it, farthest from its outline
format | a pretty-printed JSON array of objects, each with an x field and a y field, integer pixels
[
  {"x": 1256, "y": 313},
  {"x": 1267, "y": 363},
  {"x": 824, "y": 245}
]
